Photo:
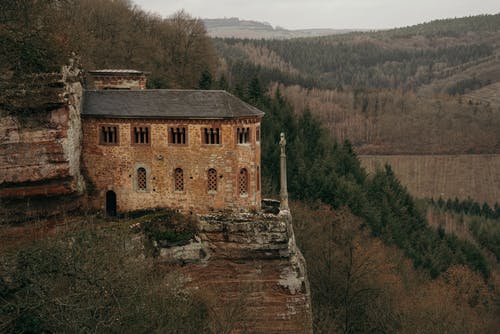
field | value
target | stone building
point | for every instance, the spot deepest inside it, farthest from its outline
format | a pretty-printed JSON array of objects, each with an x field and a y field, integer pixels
[{"x": 187, "y": 149}]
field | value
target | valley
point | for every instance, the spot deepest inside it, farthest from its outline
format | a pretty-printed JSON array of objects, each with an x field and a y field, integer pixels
[{"x": 422, "y": 98}]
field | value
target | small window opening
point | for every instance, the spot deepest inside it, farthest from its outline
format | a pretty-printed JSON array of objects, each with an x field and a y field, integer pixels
[
  {"x": 141, "y": 179},
  {"x": 178, "y": 135},
  {"x": 141, "y": 135},
  {"x": 243, "y": 182},
  {"x": 212, "y": 180},
  {"x": 211, "y": 136},
  {"x": 109, "y": 134},
  {"x": 179, "y": 179},
  {"x": 257, "y": 134},
  {"x": 243, "y": 135}
]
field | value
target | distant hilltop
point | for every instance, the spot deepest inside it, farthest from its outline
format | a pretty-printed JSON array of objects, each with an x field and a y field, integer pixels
[{"x": 234, "y": 27}]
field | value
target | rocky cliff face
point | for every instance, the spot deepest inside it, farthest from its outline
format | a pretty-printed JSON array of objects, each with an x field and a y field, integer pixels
[
  {"x": 40, "y": 144},
  {"x": 250, "y": 264}
]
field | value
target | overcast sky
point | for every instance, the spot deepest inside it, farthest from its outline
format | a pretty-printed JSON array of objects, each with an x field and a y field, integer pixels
[{"x": 298, "y": 14}]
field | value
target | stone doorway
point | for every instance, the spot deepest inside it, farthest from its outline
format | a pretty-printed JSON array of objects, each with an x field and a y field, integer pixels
[{"x": 111, "y": 203}]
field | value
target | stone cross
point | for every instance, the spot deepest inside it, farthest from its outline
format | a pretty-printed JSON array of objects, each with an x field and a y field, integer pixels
[{"x": 283, "y": 191}]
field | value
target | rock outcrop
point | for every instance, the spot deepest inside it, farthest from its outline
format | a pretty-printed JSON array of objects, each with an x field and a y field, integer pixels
[
  {"x": 40, "y": 145},
  {"x": 251, "y": 265}
]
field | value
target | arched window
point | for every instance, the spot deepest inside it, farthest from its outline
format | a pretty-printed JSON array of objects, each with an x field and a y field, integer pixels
[
  {"x": 243, "y": 182},
  {"x": 141, "y": 179},
  {"x": 179, "y": 179},
  {"x": 212, "y": 180}
]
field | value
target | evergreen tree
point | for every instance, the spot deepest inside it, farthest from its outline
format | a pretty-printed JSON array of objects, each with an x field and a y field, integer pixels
[
  {"x": 205, "y": 82},
  {"x": 255, "y": 91},
  {"x": 222, "y": 83}
]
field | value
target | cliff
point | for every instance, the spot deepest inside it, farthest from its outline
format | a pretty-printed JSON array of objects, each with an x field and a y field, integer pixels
[
  {"x": 40, "y": 144},
  {"x": 250, "y": 265}
]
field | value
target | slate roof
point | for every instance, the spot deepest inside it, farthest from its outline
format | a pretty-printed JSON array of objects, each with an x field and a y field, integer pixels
[{"x": 166, "y": 103}]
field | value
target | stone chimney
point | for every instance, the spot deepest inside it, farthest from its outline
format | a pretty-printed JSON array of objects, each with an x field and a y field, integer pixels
[{"x": 116, "y": 79}]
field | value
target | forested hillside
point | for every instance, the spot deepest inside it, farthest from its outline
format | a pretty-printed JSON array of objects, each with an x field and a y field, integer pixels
[
  {"x": 421, "y": 78},
  {"x": 103, "y": 34},
  {"x": 403, "y": 58},
  {"x": 387, "y": 92},
  {"x": 375, "y": 264}
]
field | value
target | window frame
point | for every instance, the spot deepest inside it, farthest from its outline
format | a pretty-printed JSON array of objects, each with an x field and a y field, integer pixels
[
  {"x": 203, "y": 135},
  {"x": 117, "y": 134},
  {"x": 171, "y": 137},
  {"x": 247, "y": 182},
  {"x": 132, "y": 134},
  {"x": 209, "y": 190},
  {"x": 183, "y": 181},
  {"x": 245, "y": 134},
  {"x": 136, "y": 178}
]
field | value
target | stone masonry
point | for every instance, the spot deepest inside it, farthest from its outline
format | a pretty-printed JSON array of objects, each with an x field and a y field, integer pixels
[
  {"x": 252, "y": 265},
  {"x": 114, "y": 167},
  {"x": 191, "y": 170}
]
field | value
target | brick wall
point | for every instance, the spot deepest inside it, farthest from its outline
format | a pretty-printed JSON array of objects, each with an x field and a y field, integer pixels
[{"x": 114, "y": 167}]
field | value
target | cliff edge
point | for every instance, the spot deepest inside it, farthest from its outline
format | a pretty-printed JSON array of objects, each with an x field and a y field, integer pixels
[{"x": 250, "y": 264}]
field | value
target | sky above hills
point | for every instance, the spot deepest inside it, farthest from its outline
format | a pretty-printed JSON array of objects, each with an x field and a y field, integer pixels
[{"x": 338, "y": 14}]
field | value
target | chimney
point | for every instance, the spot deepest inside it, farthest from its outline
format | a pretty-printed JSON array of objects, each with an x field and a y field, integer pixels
[{"x": 116, "y": 79}]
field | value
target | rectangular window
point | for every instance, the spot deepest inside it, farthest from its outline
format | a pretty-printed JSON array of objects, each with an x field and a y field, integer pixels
[
  {"x": 242, "y": 135},
  {"x": 141, "y": 135},
  {"x": 257, "y": 134},
  {"x": 211, "y": 136},
  {"x": 177, "y": 135},
  {"x": 108, "y": 135}
]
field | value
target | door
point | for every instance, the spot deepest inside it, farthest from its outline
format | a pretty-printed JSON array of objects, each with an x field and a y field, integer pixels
[{"x": 111, "y": 203}]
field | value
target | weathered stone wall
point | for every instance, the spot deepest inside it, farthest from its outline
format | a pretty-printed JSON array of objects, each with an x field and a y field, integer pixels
[
  {"x": 117, "y": 81},
  {"x": 40, "y": 145},
  {"x": 114, "y": 167},
  {"x": 253, "y": 268}
]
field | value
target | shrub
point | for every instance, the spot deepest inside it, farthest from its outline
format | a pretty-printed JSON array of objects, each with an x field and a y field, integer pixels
[
  {"x": 169, "y": 228},
  {"x": 95, "y": 280}
]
